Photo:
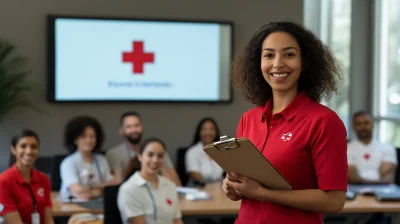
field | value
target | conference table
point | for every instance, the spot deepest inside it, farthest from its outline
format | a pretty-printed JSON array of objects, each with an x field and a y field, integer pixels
[{"x": 220, "y": 205}]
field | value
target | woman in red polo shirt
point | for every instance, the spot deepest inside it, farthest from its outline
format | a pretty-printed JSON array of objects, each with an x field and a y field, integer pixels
[
  {"x": 286, "y": 71},
  {"x": 25, "y": 193}
]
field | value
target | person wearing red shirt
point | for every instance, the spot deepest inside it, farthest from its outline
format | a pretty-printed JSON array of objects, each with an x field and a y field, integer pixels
[
  {"x": 25, "y": 193},
  {"x": 286, "y": 71}
]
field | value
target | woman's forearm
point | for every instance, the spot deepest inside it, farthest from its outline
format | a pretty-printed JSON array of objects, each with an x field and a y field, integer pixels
[{"x": 314, "y": 200}]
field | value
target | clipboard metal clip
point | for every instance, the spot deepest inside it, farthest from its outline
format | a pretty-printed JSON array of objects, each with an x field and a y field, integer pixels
[{"x": 225, "y": 143}]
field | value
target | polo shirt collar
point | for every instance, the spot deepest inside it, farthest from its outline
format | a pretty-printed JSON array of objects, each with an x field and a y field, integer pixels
[
  {"x": 138, "y": 180},
  {"x": 34, "y": 178},
  {"x": 299, "y": 102}
]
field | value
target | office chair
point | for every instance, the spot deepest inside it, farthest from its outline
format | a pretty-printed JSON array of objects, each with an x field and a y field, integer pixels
[
  {"x": 55, "y": 171},
  {"x": 397, "y": 177},
  {"x": 181, "y": 166},
  {"x": 43, "y": 164},
  {"x": 111, "y": 211}
]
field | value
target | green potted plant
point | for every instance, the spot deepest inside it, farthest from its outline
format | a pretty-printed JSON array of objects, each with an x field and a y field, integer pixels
[{"x": 15, "y": 85}]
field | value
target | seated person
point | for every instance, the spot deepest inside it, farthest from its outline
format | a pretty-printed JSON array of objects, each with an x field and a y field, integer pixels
[
  {"x": 84, "y": 173},
  {"x": 25, "y": 193},
  {"x": 120, "y": 156},
  {"x": 201, "y": 168},
  {"x": 370, "y": 162},
  {"x": 147, "y": 197}
]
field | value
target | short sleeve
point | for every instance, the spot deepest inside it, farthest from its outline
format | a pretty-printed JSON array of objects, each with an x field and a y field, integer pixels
[
  {"x": 106, "y": 169},
  {"x": 329, "y": 154},
  {"x": 239, "y": 130},
  {"x": 7, "y": 201},
  {"x": 168, "y": 161},
  {"x": 191, "y": 162},
  {"x": 113, "y": 161},
  {"x": 130, "y": 203},
  {"x": 389, "y": 154},
  {"x": 68, "y": 172}
]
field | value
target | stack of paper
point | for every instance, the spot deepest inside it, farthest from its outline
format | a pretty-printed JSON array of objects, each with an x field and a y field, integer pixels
[{"x": 193, "y": 194}]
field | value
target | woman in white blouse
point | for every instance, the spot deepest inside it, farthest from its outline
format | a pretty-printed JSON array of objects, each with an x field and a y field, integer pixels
[
  {"x": 201, "y": 168},
  {"x": 146, "y": 197}
]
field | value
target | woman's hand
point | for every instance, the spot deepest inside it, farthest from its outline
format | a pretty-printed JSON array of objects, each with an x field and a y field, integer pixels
[
  {"x": 230, "y": 192},
  {"x": 245, "y": 186}
]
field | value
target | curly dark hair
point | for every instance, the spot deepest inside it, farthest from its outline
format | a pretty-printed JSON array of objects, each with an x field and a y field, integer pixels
[
  {"x": 197, "y": 137},
  {"x": 75, "y": 128},
  {"x": 318, "y": 78}
]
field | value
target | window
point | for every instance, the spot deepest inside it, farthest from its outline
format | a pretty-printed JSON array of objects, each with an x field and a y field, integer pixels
[
  {"x": 387, "y": 72},
  {"x": 334, "y": 29}
]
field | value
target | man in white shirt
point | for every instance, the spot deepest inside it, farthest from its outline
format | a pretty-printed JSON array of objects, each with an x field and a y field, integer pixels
[
  {"x": 119, "y": 156},
  {"x": 369, "y": 161}
]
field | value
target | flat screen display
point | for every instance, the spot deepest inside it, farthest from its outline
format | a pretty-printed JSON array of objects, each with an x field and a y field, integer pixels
[{"x": 103, "y": 59}]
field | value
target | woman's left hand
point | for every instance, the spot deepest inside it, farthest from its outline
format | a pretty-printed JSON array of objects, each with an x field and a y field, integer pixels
[{"x": 245, "y": 186}]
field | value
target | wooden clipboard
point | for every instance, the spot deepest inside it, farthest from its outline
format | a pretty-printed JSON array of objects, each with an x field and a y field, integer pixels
[{"x": 241, "y": 156}]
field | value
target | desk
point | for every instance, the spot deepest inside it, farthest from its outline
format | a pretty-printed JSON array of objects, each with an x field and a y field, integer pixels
[
  {"x": 68, "y": 209},
  {"x": 221, "y": 205}
]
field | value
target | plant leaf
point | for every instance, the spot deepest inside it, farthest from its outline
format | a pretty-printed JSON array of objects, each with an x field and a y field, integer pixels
[{"x": 15, "y": 86}]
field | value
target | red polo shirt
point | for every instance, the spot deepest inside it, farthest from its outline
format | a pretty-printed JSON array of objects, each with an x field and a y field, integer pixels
[
  {"x": 15, "y": 195},
  {"x": 306, "y": 142}
]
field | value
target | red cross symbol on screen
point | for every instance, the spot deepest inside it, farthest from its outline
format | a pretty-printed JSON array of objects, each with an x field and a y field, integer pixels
[{"x": 137, "y": 57}]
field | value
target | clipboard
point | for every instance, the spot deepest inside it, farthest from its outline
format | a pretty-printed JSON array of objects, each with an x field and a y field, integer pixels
[{"x": 241, "y": 156}]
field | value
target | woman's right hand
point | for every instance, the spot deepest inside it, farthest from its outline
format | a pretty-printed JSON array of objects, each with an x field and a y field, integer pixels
[{"x": 230, "y": 192}]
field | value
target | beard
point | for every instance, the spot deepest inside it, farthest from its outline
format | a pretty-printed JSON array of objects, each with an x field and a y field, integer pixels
[
  {"x": 134, "y": 140},
  {"x": 364, "y": 135}
]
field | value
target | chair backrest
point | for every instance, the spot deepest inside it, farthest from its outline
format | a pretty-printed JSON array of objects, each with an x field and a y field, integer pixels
[
  {"x": 55, "y": 172},
  {"x": 181, "y": 166},
  {"x": 397, "y": 177},
  {"x": 111, "y": 211},
  {"x": 43, "y": 164}
]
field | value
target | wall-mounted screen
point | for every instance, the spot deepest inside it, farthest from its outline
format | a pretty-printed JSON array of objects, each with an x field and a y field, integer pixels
[{"x": 108, "y": 59}]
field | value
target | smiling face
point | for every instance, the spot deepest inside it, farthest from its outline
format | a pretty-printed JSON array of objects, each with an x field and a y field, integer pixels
[
  {"x": 281, "y": 62},
  {"x": 132, "y": 129},
  {"x": 26, "y": 151},
  {"x": 86, "y": 142},
  {"x": 208, "y": 132},
  {"x": 152, "y": 158}
]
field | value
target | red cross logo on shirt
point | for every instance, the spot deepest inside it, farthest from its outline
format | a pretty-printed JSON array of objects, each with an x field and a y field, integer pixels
[
  {"x": 286, "y": 137},
  {"x": 40, "y": 192},
  {"x": 169, "y": 202},
  {"x": 137, "y": 57},
  {"x": 367, "y": 156}
]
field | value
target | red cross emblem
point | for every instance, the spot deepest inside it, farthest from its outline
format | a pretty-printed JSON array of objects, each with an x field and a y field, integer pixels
[
  {"x": 367, "y": 156},
  {"x": 137, "y": 57},
  {"x": 169, "y": 202},
  {"x": 286, "y": 137}
]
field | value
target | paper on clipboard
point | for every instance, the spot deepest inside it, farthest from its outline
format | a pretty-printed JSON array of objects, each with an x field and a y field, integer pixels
[{"x": 241, "y": 156}]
